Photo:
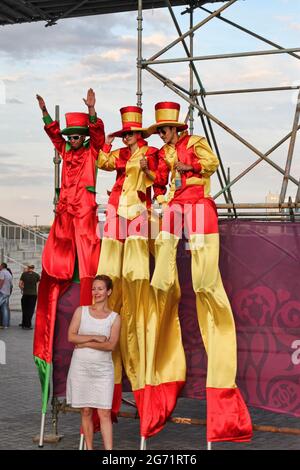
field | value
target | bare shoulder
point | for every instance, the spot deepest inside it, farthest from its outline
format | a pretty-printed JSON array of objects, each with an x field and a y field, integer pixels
[
  {"x": 116, "y": 319},
  {"x": 77, "y": 313}
]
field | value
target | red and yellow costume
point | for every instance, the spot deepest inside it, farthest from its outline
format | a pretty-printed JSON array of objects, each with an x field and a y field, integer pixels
[
  {"x": 125, "y": 247},
  {"x": 190, "y": 207},
  {"x": 74, "y": 231}
]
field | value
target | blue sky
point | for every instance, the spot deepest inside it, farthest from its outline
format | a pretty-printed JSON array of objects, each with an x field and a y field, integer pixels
[{"x": 62, "y": 61}]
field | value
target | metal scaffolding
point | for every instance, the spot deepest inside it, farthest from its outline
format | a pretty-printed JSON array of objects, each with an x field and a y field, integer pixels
[{"x": 196, "y": 95}]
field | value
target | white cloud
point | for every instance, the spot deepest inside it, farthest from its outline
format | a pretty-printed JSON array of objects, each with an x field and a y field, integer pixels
[
  {"x": 16, "y": 77},
  {"x": 115, "y": 55},
  {"x": 294, "y": 26}
]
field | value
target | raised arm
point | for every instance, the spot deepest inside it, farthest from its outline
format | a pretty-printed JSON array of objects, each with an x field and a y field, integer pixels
[
  {"x": 52, "y": 128},
  {"x": 74, "y": 337},
  {"x": 106, "y": 158},
  {"x": 96, "y": 126}
]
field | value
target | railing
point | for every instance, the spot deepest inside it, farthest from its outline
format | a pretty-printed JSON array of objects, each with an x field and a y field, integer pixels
[
  {"x": 14, "y": 261},
  {"x": 18, "y": 233}
]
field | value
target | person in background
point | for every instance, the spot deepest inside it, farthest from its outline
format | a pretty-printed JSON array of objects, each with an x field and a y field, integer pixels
[
  {"x": 95, "y": 331},
  {"x": 5, "y": 291},
  {"x": 28, "y": 284}
]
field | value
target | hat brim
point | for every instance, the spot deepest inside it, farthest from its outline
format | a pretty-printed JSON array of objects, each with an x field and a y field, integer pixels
[
  {"x": 181, "y": 126},
  {"x": 75, "y": 130},
  {"x": 120, "y": 133}
]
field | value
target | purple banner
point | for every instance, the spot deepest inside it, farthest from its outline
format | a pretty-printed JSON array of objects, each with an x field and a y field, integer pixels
[{"x": 260, "y": 266}]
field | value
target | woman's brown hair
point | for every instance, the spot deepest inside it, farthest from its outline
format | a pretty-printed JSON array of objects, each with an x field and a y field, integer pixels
[{"x": 106, "y": 279}]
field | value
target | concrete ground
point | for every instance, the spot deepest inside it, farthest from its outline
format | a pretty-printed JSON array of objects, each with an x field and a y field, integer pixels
[{"x": 20, "y": 412}]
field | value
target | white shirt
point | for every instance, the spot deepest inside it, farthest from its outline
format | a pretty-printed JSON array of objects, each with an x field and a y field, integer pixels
[{"x": 7, "y": 277}]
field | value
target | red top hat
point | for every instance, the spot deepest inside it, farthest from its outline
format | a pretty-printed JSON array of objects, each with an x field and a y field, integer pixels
[
  {"x": 77, "y": 123},
  {"x": 166, "y": 114},
  {"x": 131, "y": 117}
]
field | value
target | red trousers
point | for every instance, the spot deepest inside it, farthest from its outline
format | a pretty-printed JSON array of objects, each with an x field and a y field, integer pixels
[{"x": 70, "y": 235}]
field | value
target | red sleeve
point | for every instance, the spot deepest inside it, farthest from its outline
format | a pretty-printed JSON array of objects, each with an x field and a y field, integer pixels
[
  {"x": 197, "y": 167},
  {"x": 97, "y": 137},
  {"x": 106, "y": 148},
  {"x": 161, "y": 175},
  {"x": 152, "y": 158},
  {"x": 53, "y": 131}
]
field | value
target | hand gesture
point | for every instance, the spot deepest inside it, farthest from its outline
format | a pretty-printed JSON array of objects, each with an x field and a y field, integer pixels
[
  {"x": 90, "y": 99},
  {"x": 41, "y": 102},
  {"x": 109, "y": 139},
  {"x": 182, "y": 167},
  {"x": 143, "y": 163}
]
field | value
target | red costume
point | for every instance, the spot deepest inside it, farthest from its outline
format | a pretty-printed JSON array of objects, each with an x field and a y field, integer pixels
[{"x": 74, "y": 232}]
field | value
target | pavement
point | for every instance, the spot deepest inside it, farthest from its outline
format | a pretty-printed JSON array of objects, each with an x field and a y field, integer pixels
[{"x": 20, "y": 412}]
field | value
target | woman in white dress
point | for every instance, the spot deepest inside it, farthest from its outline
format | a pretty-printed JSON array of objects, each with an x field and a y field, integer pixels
[{"x": 95, "y": 331}]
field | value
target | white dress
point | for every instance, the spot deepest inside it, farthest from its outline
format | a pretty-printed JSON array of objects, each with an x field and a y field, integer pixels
[{"x": 90, "y": 381}]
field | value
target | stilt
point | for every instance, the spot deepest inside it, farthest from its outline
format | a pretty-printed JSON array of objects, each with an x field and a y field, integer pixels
[
  {"x": 42, "y": 430},
  {"x": 143, "y": 443},
  {"x": 81, "y": 442},
  {"x": 208, "y": 445}
]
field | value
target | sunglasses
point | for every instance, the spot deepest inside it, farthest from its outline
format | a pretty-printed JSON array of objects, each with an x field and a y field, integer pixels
[
  {"x": 74, "y": 137},
  {"x": 127, "y": 134},
  {"x": 161, "y": 131}
]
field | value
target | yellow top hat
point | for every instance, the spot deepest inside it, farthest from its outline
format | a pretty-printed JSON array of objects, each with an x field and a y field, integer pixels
[
  {"x": 166, "y": 114},
  {"x": 131, "y": 121}
]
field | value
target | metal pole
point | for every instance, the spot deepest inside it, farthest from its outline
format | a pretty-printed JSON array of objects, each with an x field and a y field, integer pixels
[
  {"x": 139, "y": 52},
  {"x": 297, "y": 200},
  {"x": 191, "y": 108},
  {"x": 251, "y": 33},
  {"x": 220, "y": 171},
  {"x": 233, "y": 55},
  {"x": 188, "y": 53},
  {"x": 253, "y": 165},
  {"x": 197, "y": 26},
  {"x": 169, "y": 84},
  {"x": 257, "y": 214},
  {"x": 42, "y": 430},
  {"x": 260, "y": 205},
  {"x": 56, "y": 161},
  {"x": 143, "y": 443},
  {"x": 248, "y": 90},
  {"x": 290, "y": 152},
  {"x": 81, "y": 442}
]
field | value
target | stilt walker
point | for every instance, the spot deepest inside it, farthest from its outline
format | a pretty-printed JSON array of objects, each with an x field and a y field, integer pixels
[
  {"x": 191, "y": 162},
  {"x": 74, "y": 233},
  {"x": 125, "y": 248}
]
